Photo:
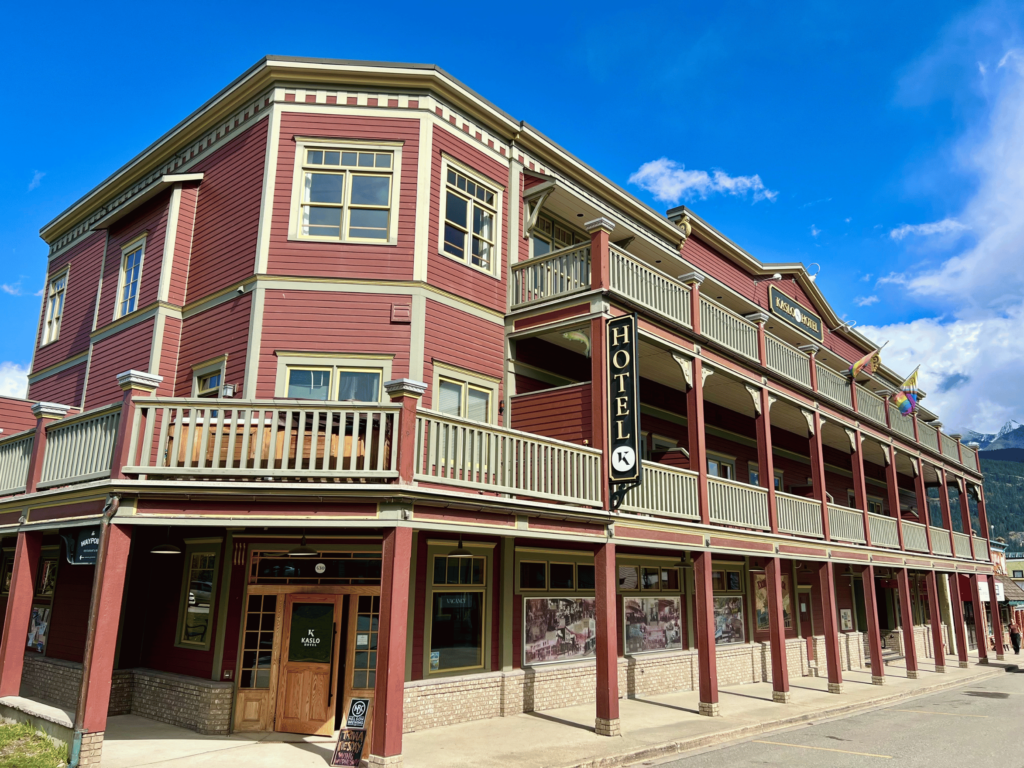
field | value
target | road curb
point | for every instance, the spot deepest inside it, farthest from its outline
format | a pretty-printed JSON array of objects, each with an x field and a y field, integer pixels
[{"x": 670, "y": 748}]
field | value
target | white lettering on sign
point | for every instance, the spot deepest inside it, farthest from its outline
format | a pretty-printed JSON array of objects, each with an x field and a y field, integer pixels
[{"x": 310, "y": 639}]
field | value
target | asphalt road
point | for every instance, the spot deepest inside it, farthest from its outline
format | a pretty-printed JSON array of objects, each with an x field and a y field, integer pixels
[{"x": 976, "y": 722}]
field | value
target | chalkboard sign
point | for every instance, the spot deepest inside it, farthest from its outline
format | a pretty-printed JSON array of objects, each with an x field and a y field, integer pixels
[{"x": 350, "y": 747}]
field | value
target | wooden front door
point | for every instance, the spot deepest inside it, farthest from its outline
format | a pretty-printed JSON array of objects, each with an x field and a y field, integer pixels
[{"x": 306, "y": 692}]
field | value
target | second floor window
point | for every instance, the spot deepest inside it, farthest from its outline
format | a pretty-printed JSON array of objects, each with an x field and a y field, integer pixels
[
  {"x": 721, "y": 466},
  {"x": 470, "y": 211},
  {"x": 456, "y": 398},
  {"x": 358, "y": 384},
  {"x": 209, "y": 386},
  {"x": 346, "y": 194},
  {"x": 548, "y": 235},
  {"x": 54, "y": 308},
  {"x": 131, "y": 270}
]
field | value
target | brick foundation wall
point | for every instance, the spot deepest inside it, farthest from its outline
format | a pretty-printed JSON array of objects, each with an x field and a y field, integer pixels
[
  {"x": 200, "y": 705},
  {"x": 91, "y": 749}
]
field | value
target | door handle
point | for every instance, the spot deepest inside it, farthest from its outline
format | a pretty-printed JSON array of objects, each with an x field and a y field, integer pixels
[{"x": 330, "y": 680}]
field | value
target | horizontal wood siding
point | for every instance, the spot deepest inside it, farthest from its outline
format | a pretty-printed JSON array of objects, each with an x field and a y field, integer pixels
[
  {"x": 563, "y": 414},
  {"x": 65, "y": 387},
  {"x": 326, "y": 321},
  {"x": 84, "y": 259},
  {"x": 168, "y": 362},
  {"x": 222, "y": 330},
  {"x": 461, "y": 339},
  {"x": 183, "y": 243},
  {"x": 449, "y": 273},
  {"x": 71, "y": 598},
  {"x": 361, "y": 261},
  {"x": 15, "y": 415},
  {"x": 149, "y": 218},
  {"x": 227, "y": 214},
  {"x": 124, "y": 351}
]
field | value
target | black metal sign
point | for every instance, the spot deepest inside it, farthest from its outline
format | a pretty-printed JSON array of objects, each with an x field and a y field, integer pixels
[
  {"x": 83, "y": 545},
  {"x": 624, "y": 470},
  {"x": 357, "y": 710},
  {"x": 795, "y": 314}
]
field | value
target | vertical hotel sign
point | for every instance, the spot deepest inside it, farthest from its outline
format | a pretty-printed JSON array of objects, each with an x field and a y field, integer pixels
[{"x": 624, "y": 467}]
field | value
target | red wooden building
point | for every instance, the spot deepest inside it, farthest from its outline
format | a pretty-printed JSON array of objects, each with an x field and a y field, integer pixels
[{"x": 321, "y": 389}]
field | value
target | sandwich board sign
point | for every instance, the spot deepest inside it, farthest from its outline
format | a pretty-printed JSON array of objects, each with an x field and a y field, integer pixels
[{"x": 352, "y": 738}]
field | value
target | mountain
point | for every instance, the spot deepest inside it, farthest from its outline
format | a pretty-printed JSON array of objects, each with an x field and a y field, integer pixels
[
  {"x": 1004, "y": 493},
  {"x": 1011, "y": 435}
]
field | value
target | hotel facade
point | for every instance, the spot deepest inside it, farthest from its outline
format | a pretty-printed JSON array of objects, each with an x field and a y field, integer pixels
[{"x": 321, "y": 407}]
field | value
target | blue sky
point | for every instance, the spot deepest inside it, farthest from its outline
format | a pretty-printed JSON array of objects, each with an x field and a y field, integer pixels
[{"x": 879, "y": 141}]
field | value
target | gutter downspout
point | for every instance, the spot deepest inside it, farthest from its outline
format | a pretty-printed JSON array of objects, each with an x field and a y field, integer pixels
[{"x": 109, "y": 510}]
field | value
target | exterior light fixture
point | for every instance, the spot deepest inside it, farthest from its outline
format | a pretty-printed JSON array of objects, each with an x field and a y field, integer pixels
[
  {"x": 228, "y": 390},
  {"x": 461, "y": 551},
  {"x": 814, "y": 277},
  {"x": 167, "y": 548},
  {"x": 302, "y": 550}
]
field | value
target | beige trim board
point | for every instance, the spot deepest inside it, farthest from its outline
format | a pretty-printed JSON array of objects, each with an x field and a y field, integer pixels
[{"x": 70, "y": 362}]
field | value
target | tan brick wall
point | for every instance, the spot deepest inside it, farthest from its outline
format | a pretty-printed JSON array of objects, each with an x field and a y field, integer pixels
[
  {"x": 91, "y": 749},
  {"x": 56, "y": 682}
]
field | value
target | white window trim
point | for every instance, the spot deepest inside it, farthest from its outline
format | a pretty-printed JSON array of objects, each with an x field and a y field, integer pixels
[
  {"x": 555, "y": 220},
  {"x": 202, "y": 370},
  {"x": 295, "y": 217},
  {"x": 136, "y": 244},
  {"x": 47, "y": 337},
  {"x": 499, "y": 195},
  {"x": 463, "y": 376},
  {"x": 722, "y": 458},
  {"x": 332, "y": 361},
  {"x": 753, "y": 467}
]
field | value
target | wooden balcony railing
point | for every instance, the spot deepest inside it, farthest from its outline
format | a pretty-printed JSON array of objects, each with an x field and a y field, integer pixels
[
  {"x": 940, "y": 542},
  {"x": 740, "y": 504},
  {"x": 971, "y": 458},
  {"x": 798, "y": 515},
  {"x": 915, "y": 538},
  {"x": 961, "y": 545},
  {"x": 834, "y": 386},
  {"x": 14, "y": 457},
  {"x": 871, "y": 405},
  {"x": 981, "y": 551},
  {"x": 649, "y": 287},
  {"x": 79, "y": 449},
  {"x": 555, "y": 274},
  {"x": 929, "y": 435},
  {"x": 902, "y": 424},
  {"x": 787, "y": 360},
  {"x": 470, "y": 454},
  {"x": 176, "y": 437},
  {"x": 665, "y": 491},
  {"x": 949, "y": 447},
  {"x": 728, "y": 328},
  {"x": 884, "y": 532},
  {"x": 845, "y": 524}
]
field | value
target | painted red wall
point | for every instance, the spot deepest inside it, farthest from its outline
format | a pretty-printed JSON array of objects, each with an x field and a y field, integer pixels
[
  {"x": 15, "y": 415},
  {"x": 70, "y": 619},
  {"x": 563, "y": 414},
  {"x": 461, "y": 339},
  {"x": 66, "y": 387},
  {"x": 222, "y": 330},
  {"x": 124, "y": 351}
]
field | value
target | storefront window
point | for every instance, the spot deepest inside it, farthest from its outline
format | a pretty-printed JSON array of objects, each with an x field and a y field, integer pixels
[
  {"x": 456, "y": 632},
  {"x": 258, "y": 642},
  {"x": 459, "y": 570},
  {"x": 364, "y": 660},
  {"x": 198, "y": 593}
]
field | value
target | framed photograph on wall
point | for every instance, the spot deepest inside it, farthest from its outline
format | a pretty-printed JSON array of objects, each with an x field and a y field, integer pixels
[
  {"x": 846, "y": 619},
  {"x": 47, "y": 578},
  {"x": 652, "y": 624},
  {"x": 558, "y": 629},
  {"x": 761, "y": 602},
  {"x": 729, "y": 620},
  {"x": 38, "y": 628}
]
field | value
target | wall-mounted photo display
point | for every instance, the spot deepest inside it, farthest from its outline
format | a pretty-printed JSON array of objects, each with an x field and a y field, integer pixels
[
  {"x": 38, "y": 628},
  {"x": 652, "y": 624},
  {"x": 761, "y": 613},
  {"x": 729, "y": 620},
  {"x": 558, "y": 629},
  {"x": 47, "y": 578},
  {"x": 846, "y": 620}
]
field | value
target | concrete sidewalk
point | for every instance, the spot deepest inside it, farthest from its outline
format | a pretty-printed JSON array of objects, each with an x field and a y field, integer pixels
[{"x": 652, "y": 726}]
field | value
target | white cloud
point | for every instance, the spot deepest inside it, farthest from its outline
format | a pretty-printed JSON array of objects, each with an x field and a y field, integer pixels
[
  {"x": 13, "y": 289},
  {"x": 847, "y": 219},
  {"x": 867, "y": 277},
  {"x": 865, "y": 301},
  {"x": 670, "y": 182},
  {"x": 13, "y": 380},
  {"x": 815, "y": 231},
  {"x": 893, "y": 278},
  {"x": 944, "y": 227},
  {"x": 37, "y": 179}
]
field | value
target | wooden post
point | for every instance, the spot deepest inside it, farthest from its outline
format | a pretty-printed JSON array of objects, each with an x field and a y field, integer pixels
[
  {"x": 707, "y": 665},
  {"x": 924, "y": 511},
  {"x": 997, "y": 620},
  {"x": 965, "y": 513},
  {"x": 947, "y": 517},
  {"x": 607, "y": 650},
  {"x": 827, "y": 588},
  {"x": 388, "y": 705},
  {"x": 777, "y": 632},
  {"x": 959, "y": 627},
  {"x": 696, "y": 437},
  {"x": 935, "y": 616},
  {"x": 860, "y": 490},
  {"x": 892, "y": 489},
  {"x": 759, "y": 319},
  {"x": 817, "y": 453},
  {"x": 986, "y": 532},
  {"x": 132, "y": 383},
  {"x": 694, "y": 280},
  {"x": 765, "y": 459},
  {"x": 980, "y": 628},
  {"x": 406, "y": 393},
  {"x": 44, "y": 413},
  {"x": 19, "y": 610},
  {"x": 600, "y": 230},
  {"x": 812, "y": 354},
  {"x": 874, "y": 638},
  {"x": 907, "y": 620},
  {"x": 599, "y": 417}
]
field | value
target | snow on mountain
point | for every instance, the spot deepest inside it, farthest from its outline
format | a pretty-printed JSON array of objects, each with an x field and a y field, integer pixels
[{"x": 1010, "y": 435}]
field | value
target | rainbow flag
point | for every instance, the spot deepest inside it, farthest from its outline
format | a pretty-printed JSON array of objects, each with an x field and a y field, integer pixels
[
  {"x": 906, "y": 397},
  {"x": 868, "y": 364}
]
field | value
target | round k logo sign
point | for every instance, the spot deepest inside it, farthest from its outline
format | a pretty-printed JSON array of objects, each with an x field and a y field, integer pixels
[{"x": 623, "y": 459}]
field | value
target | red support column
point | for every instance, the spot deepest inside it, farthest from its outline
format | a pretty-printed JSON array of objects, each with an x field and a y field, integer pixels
[
  {"x": 19, "y": 609},
  {"x": 777, "y": 632},
  {"x": 986, "y": 532},
  {"x": 860, "y": 489},
  {"x": 980, "y": 628},
  {"x": 607, "y": 650},
  {"x": 695, "y": 436},
  {"x": 599, "y": 419},
  {"x": 997, "y": 620},
  {"x": 827, "y": 587},
  {"x": 874, "y": 637},
  {"x": 101, "y": 639},
  {"x": 44, "y": 413},
  {"x": 892, "y": 489},
  {"x": 765, "y": 460},
  {"x": 816, "y": 450},
  {"x": 965, "y": 512},
  {"x": 406, "y": 393},
  {"x": 947, "y": 517},
  {"x": 133, "y": 384},
  {"x": 959, "y": 627},
  {"x": 907, "y": 620},
  {"x": 812, "y": 354},
  {"x": 693, "y": 280},
  {"x": 924, "y": 511},
  {"x": 388, "y": 708},
  {"x": 759, "y": 319},
  {"x": 707, "y": 665},
  {"x": 935, "y": 617},
  {"x": 600, "y": 255}
]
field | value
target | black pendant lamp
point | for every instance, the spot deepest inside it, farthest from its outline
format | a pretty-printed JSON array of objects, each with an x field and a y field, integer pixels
[
  {"x": 461, "y": 551},
  {"x": 302, "y": 550},
  {"x": 166, "y": 548}
]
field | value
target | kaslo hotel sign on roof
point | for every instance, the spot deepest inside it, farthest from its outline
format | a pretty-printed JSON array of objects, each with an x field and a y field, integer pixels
[{"x": 795, "y": 314}]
